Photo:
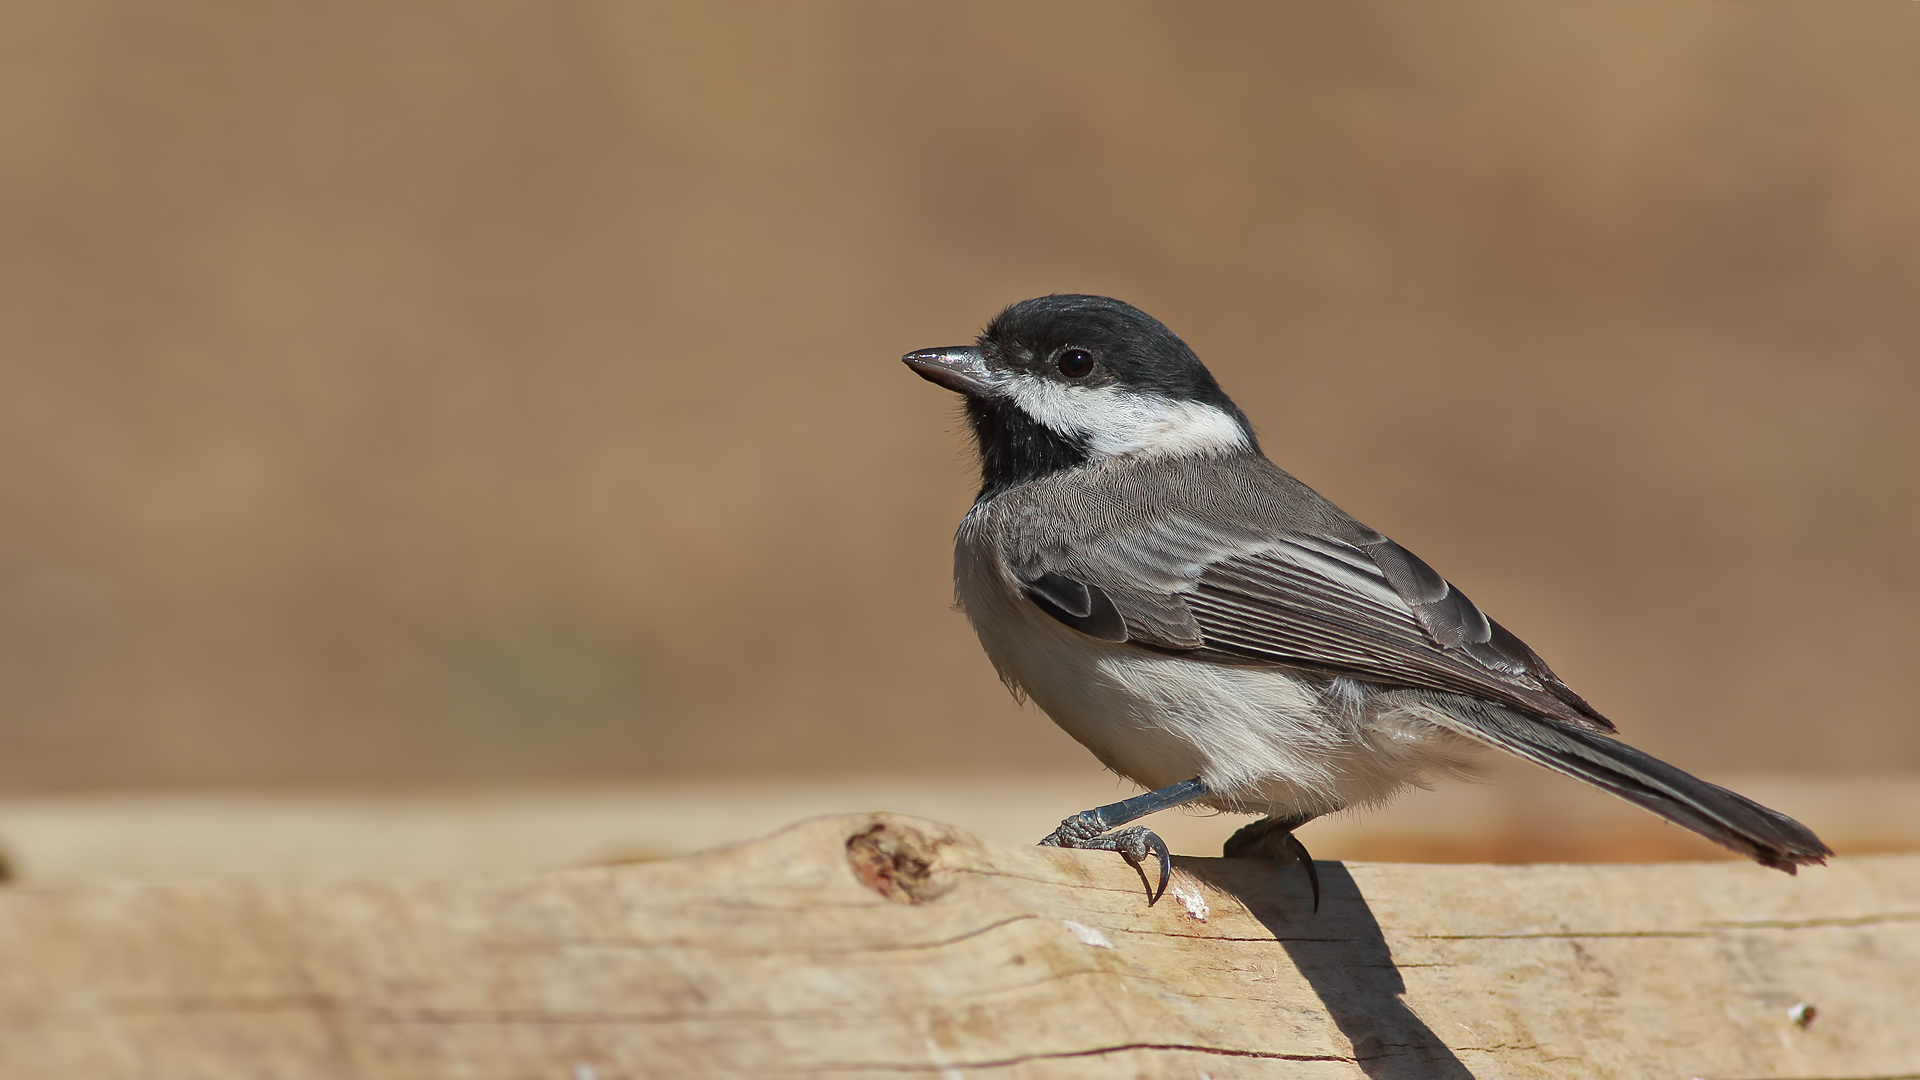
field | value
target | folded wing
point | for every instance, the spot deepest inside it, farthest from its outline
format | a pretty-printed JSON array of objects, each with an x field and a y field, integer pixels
[{"x": 1366, "y": 608}]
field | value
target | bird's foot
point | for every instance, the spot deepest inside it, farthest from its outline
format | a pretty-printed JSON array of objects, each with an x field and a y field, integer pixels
[
  {"x": 1087, "y": 832},
  {"x": 1272, "y": 838}
]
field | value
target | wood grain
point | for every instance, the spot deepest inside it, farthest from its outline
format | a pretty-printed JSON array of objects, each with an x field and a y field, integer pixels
[{"x": 878, "y": 945}]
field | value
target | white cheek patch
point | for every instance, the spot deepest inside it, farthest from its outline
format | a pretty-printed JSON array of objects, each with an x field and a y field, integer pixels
[{"x": 1115, "y": 422}]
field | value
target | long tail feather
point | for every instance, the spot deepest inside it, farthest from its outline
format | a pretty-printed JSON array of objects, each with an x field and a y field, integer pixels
[{"x": 1727, "y": 818}]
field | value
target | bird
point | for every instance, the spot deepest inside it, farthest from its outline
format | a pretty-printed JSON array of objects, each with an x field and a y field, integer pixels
[{"x": 1217, "y": 632}]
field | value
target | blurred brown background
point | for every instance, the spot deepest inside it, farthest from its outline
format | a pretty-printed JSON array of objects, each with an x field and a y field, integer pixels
[{"x": 474, "y": 390}]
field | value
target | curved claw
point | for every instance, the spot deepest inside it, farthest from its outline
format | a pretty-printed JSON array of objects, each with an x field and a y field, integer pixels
[
  {"x": 1134, "y": 844},
  {"x": 1299, "y": 851},
  {"x": 1160, "y": 849},
  {"x": 1272, "y": 838}
]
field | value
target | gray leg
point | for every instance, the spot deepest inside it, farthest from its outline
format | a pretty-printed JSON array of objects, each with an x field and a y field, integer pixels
[
  {"x": 1272, "y": 838},
  {"x": 1088, "y": 830}
]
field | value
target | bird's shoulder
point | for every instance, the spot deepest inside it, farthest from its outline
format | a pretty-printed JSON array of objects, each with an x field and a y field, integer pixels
[{"x": 1186, "y": 508}]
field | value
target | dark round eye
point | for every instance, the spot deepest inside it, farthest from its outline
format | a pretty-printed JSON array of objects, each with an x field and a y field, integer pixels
[{"x": 1076, "y": 363}]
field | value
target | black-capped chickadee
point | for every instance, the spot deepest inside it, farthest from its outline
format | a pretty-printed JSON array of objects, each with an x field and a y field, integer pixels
[{"x": 1216, "y": 631}]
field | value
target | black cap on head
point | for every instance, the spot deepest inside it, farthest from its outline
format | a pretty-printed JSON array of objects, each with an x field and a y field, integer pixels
[
  {"x": 1059, "y": 381},
  {"x": 1129, "y": 347}
]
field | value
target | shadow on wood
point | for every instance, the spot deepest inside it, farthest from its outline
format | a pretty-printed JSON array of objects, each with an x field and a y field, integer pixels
[
  {"x": 867, "y": 945},
  {"x": 1342, "y": 953}
]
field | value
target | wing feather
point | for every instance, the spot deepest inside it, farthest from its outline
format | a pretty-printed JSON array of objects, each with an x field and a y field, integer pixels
[
  {"x": 1240, "y": 563},
  {"x": 1324, "y": 604}
]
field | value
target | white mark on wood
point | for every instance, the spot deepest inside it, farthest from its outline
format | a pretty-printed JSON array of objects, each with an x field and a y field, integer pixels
[
  {"x": 1191, "y": 899},
  {"x": 584, "y": 1071},
  {"x": 1088, "y": 935}
]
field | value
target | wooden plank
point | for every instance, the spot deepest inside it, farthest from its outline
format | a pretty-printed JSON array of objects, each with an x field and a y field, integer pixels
[
  {"x": 1525, "y": 815},
  {"x": 875, "y": 945}
]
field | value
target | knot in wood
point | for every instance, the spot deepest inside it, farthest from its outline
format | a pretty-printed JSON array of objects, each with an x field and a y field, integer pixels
[{"x": 897, "y": 862}]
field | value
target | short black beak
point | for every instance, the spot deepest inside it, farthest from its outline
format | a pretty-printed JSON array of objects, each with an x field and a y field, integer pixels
[{"x": 960, "y": 369}]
